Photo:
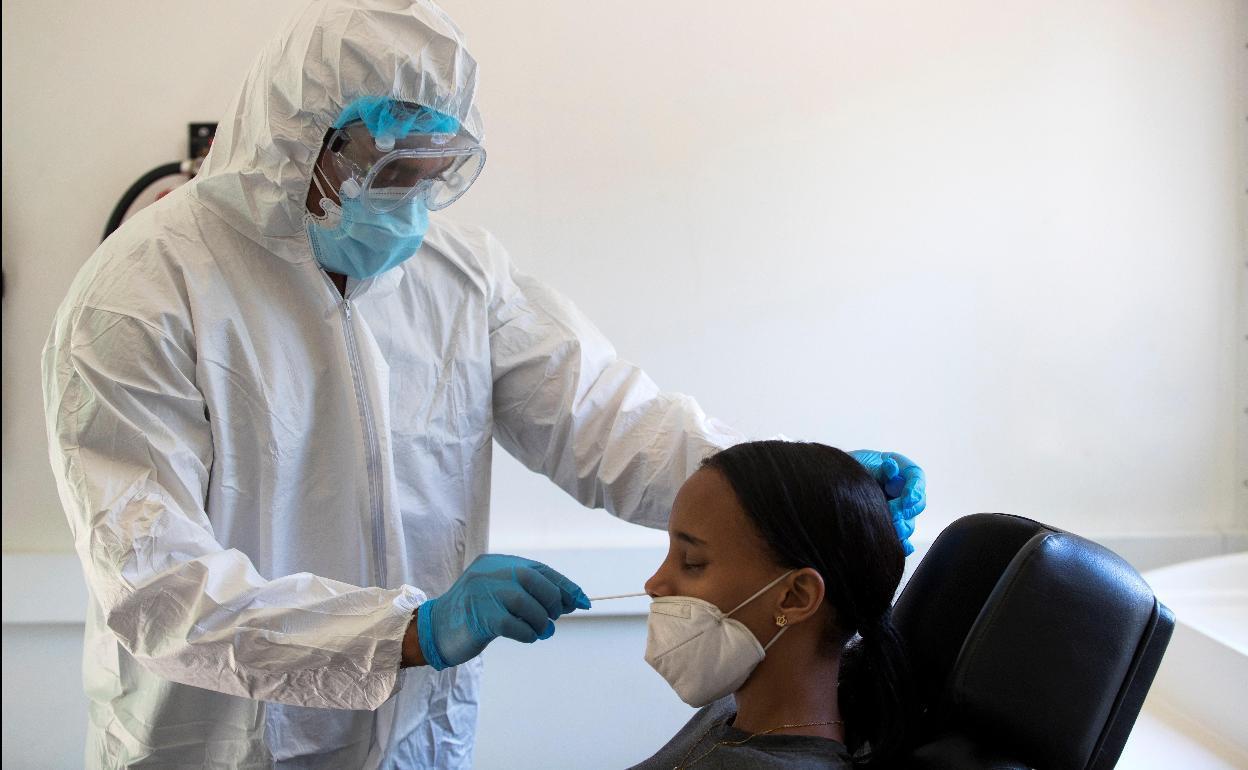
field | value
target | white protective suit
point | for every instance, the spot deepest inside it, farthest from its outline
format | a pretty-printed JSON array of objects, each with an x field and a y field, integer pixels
[{"x": 264, "y": 480}]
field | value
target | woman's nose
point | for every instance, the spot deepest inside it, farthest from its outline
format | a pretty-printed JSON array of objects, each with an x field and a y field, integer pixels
[{"x": 656, "y": 586}]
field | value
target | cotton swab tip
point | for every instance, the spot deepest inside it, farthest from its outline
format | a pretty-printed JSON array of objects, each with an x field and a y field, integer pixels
[{"x": 616, "y": 596}]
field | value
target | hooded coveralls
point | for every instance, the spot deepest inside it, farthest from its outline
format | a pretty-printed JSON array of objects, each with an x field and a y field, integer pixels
[{"x": 264, "y": 478}]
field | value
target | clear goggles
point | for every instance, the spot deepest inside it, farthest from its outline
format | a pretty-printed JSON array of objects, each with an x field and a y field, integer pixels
[{"x": 387, "y": 172}]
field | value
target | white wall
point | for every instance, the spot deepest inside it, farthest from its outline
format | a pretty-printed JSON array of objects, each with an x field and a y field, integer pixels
[
  {"x": 1242, "y": 332},
  {"x": 997, "y": 236},
  {"x": 1000, "y": 237},
  {"x": 1006, "y": 238}
]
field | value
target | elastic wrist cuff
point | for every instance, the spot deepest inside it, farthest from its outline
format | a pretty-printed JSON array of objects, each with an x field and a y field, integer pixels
[{"x": 424, "y": 631}]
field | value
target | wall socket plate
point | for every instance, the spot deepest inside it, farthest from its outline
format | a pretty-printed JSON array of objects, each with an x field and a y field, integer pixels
[{"x": 201, "y": 135}]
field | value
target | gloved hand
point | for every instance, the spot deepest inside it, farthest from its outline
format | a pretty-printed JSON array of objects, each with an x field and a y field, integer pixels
[
  {"x": 496, "y": 596},
  {"x": 905, "y": 486}
]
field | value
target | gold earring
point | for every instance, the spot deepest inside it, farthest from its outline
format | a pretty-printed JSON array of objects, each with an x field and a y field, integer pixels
[{"x": 781, "y": 621}]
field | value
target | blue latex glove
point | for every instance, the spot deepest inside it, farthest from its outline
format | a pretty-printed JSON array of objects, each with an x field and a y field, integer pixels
[
  {"x": 905, "y": 486},
  {"x": 496, "y": 596}
]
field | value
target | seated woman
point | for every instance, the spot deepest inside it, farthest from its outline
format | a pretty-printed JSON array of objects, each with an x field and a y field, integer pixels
[{"x": 780, "y": 554}]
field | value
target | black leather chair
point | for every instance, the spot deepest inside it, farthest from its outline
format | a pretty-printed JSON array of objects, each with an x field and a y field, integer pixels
[{"x": 1031, "y": 647}]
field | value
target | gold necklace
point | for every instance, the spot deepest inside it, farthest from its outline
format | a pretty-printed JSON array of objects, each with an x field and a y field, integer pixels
[{"x": 682, "y": 766}]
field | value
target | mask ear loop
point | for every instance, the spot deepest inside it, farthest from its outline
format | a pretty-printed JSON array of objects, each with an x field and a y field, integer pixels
[
  {"x": 779, "y": 633},
  {"x": 350, "y": 187},
  {"x": 322, "y": 188},
  {"x": 757, "y": 594}
]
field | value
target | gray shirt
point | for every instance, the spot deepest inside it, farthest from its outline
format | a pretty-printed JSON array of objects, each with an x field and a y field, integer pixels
[{"x": 713, "y": 724}]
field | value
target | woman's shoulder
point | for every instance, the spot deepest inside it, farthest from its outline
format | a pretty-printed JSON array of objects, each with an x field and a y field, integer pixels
[
  {"x": 709, "y": 742},
  {"x": 704, "y": 720}
]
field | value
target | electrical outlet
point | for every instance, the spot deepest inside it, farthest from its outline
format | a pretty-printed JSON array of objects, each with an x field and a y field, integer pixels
[{"x": 201, "y": 135}]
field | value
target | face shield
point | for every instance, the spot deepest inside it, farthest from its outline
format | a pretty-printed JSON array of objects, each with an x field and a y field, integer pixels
[{"x": 403, "y": 154}]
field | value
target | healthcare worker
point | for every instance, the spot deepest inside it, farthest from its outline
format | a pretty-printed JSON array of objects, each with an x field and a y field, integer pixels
[{"x": 271, "y": 401}]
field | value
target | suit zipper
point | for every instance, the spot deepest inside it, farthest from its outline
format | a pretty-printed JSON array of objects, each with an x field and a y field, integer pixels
[{"x": 372, "y": 449}]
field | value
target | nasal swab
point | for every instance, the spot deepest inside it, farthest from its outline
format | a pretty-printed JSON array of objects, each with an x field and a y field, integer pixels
[{"x": 616, "y": 596}]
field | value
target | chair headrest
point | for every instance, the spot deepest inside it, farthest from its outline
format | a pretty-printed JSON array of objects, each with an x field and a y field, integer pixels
[
  {"x": 1045, "y": 662},
  {"x": 1024, "y": 635}
]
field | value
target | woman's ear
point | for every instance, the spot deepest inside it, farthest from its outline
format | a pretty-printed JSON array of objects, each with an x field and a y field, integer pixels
[{"x": 802, "y": 597}]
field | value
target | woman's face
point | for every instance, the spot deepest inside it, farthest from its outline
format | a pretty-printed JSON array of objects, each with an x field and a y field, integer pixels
[{"x": 715, "y": 554}]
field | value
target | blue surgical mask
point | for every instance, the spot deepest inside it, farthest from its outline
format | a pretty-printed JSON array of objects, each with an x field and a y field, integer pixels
[{"x": 363, "y": 243}]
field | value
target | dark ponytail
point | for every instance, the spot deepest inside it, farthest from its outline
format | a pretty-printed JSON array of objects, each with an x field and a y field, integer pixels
[
  {"x": 875, "y": 694},
  {"x": 815, "y": 506}
]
